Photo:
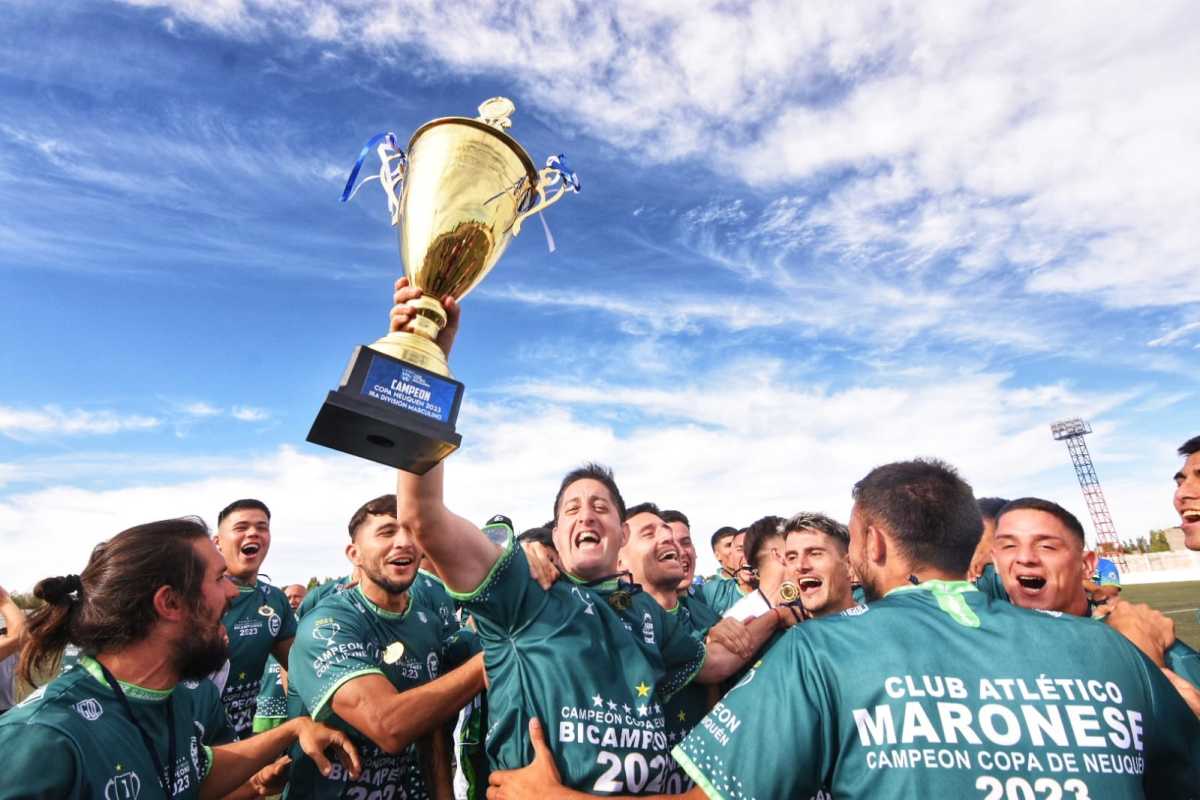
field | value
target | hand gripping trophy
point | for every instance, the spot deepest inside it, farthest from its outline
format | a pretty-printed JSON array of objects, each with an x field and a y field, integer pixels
[{"x": 456, "y": 199}]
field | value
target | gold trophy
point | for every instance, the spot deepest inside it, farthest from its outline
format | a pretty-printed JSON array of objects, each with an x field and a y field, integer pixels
[{"x": 456, "y": 199}]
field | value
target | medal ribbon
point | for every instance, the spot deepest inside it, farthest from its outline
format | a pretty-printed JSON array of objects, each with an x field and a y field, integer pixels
[{"x": 164, "y": 775}]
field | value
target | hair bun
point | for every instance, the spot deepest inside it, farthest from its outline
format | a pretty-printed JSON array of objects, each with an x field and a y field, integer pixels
[{"x": 58, "y": 591}]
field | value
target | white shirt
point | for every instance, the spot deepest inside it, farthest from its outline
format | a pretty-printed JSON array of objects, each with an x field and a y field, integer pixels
[{"x": 752, "y": 605}]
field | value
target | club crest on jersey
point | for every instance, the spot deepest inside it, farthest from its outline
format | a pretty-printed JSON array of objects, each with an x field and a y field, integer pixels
[
  {"x": 126, "y": 786},
  {"x": 647, "y": 628},
  {"x": 90, "y": 709},
  {"x": 274, "y": 623},
  {"x": 431, "y": 662}
]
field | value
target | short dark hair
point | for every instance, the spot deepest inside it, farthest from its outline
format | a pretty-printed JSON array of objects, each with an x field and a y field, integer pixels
[
  {"x": 757, "y": 534},
  {"x": 1189, "y": 447},
  {"x": 671, "y": 515},
  {"x": 595, "y": 472},
  {"x": 543, "y": 536},
  {"x": 1068, "y": 519},
  {"x": 812, "y": 521},
  {"x": 643, "y": 508},
  {"x": 723, "y": 532},
  {"x": 927, "y": 507},
  {"x": 989, "y": 507},
  {"x": 384, "y": 505},
  {"x": 111, "y": 603},
  {"x": 243, "y": 505}
]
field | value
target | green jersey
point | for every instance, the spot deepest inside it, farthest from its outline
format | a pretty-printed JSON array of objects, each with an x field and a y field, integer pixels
[
  {"x": 990, "y": 584},
  {"x": 1179, "y": 657},
  {"x": 689, "y": 705},
  {"x": 74, "y": 738},
  {"x": 721, "y": 594},
  {"x": 970, "y": 698},
  {"x": 256, "y": 620},
  {"x": 318, "y": 593},
  {"x": 346, "y": 637},
  {"x": 271, "y": 708},
  {"x": 593, "y": 662}
]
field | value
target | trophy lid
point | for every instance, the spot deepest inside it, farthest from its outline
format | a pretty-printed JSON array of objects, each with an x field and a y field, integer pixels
[{"x": 493, "y": 117}]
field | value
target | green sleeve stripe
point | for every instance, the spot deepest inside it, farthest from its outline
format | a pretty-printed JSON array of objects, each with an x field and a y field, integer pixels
[
  {"x": 324, "y": 706},
  {"x": 208, "y": 762},
  {"x": 505, "y": 557},
  {"x": 695, "y": 774}
]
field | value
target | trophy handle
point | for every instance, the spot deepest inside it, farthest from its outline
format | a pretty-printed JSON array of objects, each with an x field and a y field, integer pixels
[
  {"x": 392, "y": 166},
  {"x": 555, "y": 173}
]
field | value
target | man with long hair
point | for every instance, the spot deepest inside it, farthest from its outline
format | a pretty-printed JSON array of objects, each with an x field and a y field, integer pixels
[{"x": 146, "y": 614}]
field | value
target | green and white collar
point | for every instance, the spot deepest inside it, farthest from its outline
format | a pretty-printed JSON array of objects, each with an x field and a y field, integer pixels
[
  {"x": 949, "y": 597},
  {"x": 131, "y": 690}
]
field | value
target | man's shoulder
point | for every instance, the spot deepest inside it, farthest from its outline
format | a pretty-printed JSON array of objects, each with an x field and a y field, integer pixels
[
  {"x": 63, "y": 705},
  {"x": 335, "y": 613},
  {"x": 272, "y": 594}
]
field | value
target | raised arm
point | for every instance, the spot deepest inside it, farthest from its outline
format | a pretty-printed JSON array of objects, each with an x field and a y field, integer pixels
[{"x": 461, "y": 552}]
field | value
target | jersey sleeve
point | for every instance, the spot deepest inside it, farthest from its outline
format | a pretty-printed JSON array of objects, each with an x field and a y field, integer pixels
[
  {"x": 39, "y": 762},
  {"x": 330, "y": 649},
  {"x": 508, "y": 597},
  {"x": 1184, "y": 662},
  {"x": 1172, "y": 744},
  {"x": 768, "y": 736},
  {"x": 682, "y": 650}
]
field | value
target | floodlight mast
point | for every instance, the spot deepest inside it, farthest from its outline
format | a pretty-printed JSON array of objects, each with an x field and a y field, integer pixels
[{"x": 1072, "y": 432}]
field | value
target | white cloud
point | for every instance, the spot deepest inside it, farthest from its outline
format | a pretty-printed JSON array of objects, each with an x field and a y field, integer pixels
[
  {"x": 732, "y": 444},
  {"x": 50, "y": 420},
  {"x": 250, "y": 414},
  {"x": 1058, "y": 139},
  {"x": 201, "y": 409},
  {"x": 1174, "y": 335}
]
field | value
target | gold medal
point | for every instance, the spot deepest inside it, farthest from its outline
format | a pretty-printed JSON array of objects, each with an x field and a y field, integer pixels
[
  {"x": 266, "y": 611},
  {"x": 393, "y": 653}
]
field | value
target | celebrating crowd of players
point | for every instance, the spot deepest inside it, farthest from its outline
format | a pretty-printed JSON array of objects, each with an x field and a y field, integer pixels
[{"x": 584, "y": 657}]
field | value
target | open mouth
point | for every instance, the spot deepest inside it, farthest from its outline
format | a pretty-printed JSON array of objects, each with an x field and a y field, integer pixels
[
  {"x": 1190, "y": 516},
  {"x": 251, "y": 549},
  {"x": 810, "y": 584},
  {"x": 669, "y": 555},
  {"x": 1032, "y": 583},
  {"x": 587, "y": 539},
  {"x": 401, "y": 562}
]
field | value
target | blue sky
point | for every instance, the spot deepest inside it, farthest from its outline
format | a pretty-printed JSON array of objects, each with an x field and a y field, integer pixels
[{"x": 812, "y": 238}]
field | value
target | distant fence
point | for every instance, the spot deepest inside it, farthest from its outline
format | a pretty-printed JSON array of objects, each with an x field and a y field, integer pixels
[{"x": 1176, "y": 565}]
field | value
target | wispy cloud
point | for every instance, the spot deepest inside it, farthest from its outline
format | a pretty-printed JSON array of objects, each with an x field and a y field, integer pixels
[
  {"x": 1090, "y": 179},
  {"x": 250, "y": 414},
  {"x": 26, "y": 423}
]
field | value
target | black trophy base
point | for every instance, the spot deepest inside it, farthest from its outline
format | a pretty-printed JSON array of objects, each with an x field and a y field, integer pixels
[{"x": 390, "y": 412}]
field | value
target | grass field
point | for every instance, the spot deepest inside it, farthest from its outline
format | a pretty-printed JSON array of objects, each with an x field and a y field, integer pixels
[{"x": 1179, "y": 601}]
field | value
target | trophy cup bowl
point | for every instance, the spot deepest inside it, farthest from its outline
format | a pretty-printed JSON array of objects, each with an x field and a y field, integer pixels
[
  {"x": 465, "y": 186},
  {"x": 457, "y": 198}
]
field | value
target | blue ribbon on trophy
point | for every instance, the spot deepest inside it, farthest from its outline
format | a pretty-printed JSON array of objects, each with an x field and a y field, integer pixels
[{"x": 392, "y": 162}]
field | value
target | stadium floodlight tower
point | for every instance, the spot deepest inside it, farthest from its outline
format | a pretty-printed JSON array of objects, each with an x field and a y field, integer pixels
[{"x": 1072, "y": 432}]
